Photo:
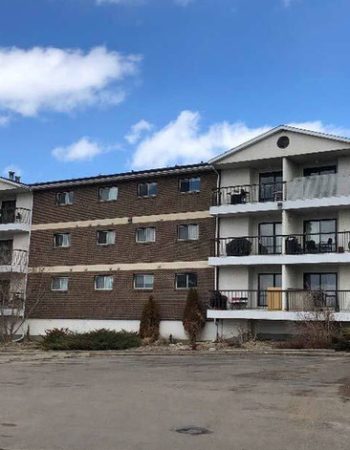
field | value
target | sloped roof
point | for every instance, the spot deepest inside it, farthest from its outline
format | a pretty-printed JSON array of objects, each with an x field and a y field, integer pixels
[
  {"x": 200, "y": 167},
  {"x": 276, "y": 130}
]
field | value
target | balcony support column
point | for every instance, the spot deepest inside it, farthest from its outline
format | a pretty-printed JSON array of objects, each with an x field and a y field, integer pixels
[{"x": 285, "y": 286}]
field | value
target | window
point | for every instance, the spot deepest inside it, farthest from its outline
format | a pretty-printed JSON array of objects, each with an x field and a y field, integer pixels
[
  {"x": 6, "y": 247},
  {"x": 325, "y": 170},
  {"x": 147, "y": 189},
  {"x": 320, "y": 236},
  {"x": 146, "y": 234},
  {"x": 188, "y": 232},
  {"x": 143, "y": 281},
  {"x": 270, "y": 187},
  {"x": 324, "y": 287},
  {"x": 270, "y": 239},
  {"x": 185, "y": 280},
  {"x": 106, "y": 237},
  {"x": 190, "y": 184},
  {"x": 64, "y": 198},
  {"x": 103, "y": 283},
  {"x": 108, "y": 194},
  {"x": 59, "y": 284},
  {"x": 62, "y": 240},
  {"x": 266, "y": 281}
]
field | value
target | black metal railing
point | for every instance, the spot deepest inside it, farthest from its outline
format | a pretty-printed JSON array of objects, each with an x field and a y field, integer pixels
[
  {"x": 14, "y": 258},
  {"x": 294, "y": 244},
  {"x": 305, "y": 243},
  {"x": 15, "y": 215},
  {"x": 295, "y": 300},
  {"x": 11, "y": 301},
  {"x": 237, "y": 299},
  {"x": 248, "y": 193},
  {"x": 247, "y": 245}
]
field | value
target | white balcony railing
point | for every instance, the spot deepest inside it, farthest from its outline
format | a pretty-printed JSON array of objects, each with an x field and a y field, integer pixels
[{"x": 318, "y": 186}]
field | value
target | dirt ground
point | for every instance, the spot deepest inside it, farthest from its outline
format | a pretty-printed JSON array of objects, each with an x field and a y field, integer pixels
[{"x": 243, "y": 401}]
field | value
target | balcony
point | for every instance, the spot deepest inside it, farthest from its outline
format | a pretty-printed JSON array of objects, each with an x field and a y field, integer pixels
[
  {"x": 12, "y": 304},
  {"x": 13, "y": 261},
  {"x": 247, "y": 198},
  {"x": 15, "y": 220},
  {"x": 276, "y": 304},
  {"x": 282, "y": 249},
  {"x": 313, "y": 191}
]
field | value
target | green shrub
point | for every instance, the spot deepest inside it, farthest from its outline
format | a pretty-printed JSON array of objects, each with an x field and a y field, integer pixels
[
  {"x": 193, "y": 317},
  {"x": 150, "y": 320},
  {"x": 63, "y": 339}
]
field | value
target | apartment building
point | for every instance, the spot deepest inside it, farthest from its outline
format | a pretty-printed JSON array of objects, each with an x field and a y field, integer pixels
[
  {"x": 101, "y": 246},
  {"x": 282, "y": 248},
  {"x": 15, "y": 219}
]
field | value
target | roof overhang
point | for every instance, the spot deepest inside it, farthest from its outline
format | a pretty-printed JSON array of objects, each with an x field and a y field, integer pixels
[{"x": 274, "y": 131}]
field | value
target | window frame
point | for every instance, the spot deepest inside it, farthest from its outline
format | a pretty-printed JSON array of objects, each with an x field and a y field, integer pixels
[
  {"x": 147, "y": 184},
  {"x": 103, "y": 289},
  {"x": 189, "y": 180},
  {"x": 106, "y": 244},
  {"x": 144, "y": 288},
  {"x": 187, "y": 274},
  {"x": 146, "y": 241},
  {"x": 102, "y": 188},
  {"x": 59, "y": 278},
  {"x": 331, "y": 169},
  {"x": 62, "y": 234},
  {"x": 262, "y": 298},
  {"x": 68, "y": 195},
  {"x": 187, "y": 225}
]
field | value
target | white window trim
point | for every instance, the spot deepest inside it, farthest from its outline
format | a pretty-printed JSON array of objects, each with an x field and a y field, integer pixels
[
  {"x": 189, "y": 191},
  {"x": 59, "y": 290},
  {"x": 61, "y": 246},
  {"x": 146, "y": 241},
  {"x": 65, "y": 204},
  {"x": 108, "y": 200},
  {"x": 105, "y": 244},
  {"x": 187, "y": 225},
  {"x": 187, "y": 287},
  {"x": 143, "y": 288},
  {"x": 147, "y": 184},
  {"x": 103, "y": 289}
]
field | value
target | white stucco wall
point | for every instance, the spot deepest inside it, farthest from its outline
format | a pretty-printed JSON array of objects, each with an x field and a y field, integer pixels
[{"x": 37, "y": 327}]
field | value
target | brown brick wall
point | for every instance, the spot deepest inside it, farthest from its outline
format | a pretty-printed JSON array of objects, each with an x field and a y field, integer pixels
[
  {"x": 87, "y": 206},
  {"x": 83, "y": 302},
  {"x": 84, "y": 249}
]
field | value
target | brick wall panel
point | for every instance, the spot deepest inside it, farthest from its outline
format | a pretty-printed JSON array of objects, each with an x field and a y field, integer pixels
[
  {"x": 83, "y": 302},
  {"x": 87, "y": 207}
]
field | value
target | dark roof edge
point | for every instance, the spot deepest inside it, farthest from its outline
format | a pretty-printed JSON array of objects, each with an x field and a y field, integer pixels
[{"x": 201, "y": 167}]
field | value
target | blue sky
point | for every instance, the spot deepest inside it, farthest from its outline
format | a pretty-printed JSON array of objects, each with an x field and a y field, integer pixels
[{"x": 104, "y": 86}]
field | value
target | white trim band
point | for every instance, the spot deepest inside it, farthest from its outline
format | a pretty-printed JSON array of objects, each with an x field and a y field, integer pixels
[
  {"x": 174, "y": 265},
  {"x": 123, "y": 220}
]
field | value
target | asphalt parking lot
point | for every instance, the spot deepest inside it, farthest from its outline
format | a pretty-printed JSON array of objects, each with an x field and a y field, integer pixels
[{"x": 142, "y": 402}]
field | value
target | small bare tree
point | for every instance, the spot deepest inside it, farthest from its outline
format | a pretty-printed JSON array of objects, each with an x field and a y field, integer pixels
[
  {"x": 193, "y": 317},
  {"x": 317, "y": 326},
  {"x": 14, "y": 310}
]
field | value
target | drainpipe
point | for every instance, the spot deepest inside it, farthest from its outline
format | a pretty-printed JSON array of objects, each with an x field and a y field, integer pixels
[
  {"x": 217, "y": 322},
  {"x": 217, "y": 225}
]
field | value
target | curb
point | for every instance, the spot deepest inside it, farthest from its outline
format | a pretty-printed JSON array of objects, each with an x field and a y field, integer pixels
[{"x": 42, "y": 355}]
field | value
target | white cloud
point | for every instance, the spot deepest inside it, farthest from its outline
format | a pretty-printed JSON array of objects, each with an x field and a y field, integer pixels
[
  {"x": 4, "y": 120},
  {"x": 182, "y": 141},
  {"x": 137, "y": 130},
  {"x": 82, "y": 150},
  {"x": 61, "y": 79}
]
